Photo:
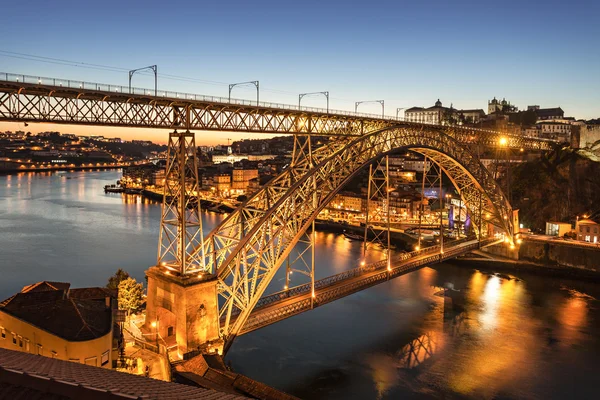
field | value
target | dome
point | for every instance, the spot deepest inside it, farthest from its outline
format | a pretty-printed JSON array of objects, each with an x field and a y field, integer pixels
[{"x": 438, "y": 103}]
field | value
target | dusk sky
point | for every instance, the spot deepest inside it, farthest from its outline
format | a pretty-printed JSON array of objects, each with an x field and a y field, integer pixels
[{"x": 407, "y": 52}]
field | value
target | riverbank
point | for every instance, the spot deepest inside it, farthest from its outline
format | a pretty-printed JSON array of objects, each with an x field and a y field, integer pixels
[
  {"x": 8, "y": 171},
  {"x": 503, "y": 264}
]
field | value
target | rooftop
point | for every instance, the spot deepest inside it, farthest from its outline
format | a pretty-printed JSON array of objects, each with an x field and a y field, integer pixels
[
  {"x": 27, "y": 376},
  {"x": 74, "y": 315}
]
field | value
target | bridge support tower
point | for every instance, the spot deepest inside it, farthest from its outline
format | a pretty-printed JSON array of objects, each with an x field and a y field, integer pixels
[{"x": 182, "y": 305}]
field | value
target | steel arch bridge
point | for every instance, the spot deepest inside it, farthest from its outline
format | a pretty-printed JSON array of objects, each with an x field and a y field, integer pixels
[
  {"x": 241, "y": 256},
  {"x": 252, "y": 243}
]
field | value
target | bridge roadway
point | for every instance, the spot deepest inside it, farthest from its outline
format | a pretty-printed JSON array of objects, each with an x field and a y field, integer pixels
[
  {"x": 26, "y": 98},
  {"x": 284, "y": 304}
]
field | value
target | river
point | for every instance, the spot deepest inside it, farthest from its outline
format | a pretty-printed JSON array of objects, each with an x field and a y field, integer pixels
[{"x": 521, "y": 336}]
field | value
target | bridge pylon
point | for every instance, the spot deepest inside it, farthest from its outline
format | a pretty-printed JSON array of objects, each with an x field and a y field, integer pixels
[{"x": 181, "y": 305}]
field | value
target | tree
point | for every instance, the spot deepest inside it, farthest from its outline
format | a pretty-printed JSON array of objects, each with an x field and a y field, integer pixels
[
  {"x": 113, "y": 281},
  {"x": 130, "y": 295}
]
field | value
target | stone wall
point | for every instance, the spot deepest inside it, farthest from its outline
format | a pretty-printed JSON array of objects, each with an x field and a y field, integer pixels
[{"x": 552, "y": 254}]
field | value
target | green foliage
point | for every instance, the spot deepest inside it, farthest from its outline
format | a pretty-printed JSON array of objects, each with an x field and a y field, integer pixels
[
  {"x": 131, "y": 295},
  {"x": 113, "y": 281}
]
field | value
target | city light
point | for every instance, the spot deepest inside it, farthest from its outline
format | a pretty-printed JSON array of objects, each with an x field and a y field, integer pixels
[{"x": 503, "y": 141}]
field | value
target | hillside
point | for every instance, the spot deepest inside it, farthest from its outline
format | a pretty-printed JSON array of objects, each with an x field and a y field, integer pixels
[{"x": 556, "y": 187}]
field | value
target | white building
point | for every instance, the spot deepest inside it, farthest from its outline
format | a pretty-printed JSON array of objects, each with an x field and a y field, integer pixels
[
  {"x": 431, "y": 115},
  {"x": 558, "y": 131},
  {"x": 231, "y": 158}
]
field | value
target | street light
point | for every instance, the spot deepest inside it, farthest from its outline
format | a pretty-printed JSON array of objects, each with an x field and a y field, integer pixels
[
  {"x": 154, "y": 69},
  {"x": 382, "y": 102},
  {"x": 301, "y": 95},
  {"x": 503, "y": 141},
  {"x": 398, "y": 110},
  {"x": 255, "y": 83}
]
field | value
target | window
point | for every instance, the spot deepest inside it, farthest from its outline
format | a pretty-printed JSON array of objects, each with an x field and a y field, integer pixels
[
  {"x": 105, "y": 358},
  {"x": 93, "y": 361},
  {"x": 587, "y": 229},
  {"x": 53, "y": 353},
  {"x": 14, "y": 338},
  {"x": 2, "y": 333},
  {"x": 587, "y": 238},
  {"x": 40, "y": 350},
  {"x": 26, "y": 345},
  {"x": 75, "y": 360},
  {"x": 20, "y": 341}
]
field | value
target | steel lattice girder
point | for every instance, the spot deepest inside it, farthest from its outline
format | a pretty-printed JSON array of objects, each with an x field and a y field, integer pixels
[
  {"x": 180, "y": 224},
  {"x": 248, "y": 247},
  {"x": 28, "y": 102}
]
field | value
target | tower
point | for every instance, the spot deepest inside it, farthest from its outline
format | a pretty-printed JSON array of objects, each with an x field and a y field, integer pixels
[
  {"x": 180, "y": 222},
  {"x": 181, "y": 306}
]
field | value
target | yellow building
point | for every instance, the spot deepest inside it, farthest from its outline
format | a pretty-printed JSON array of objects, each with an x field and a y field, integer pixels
[
  {"x": 52, "y": 320},
  {"x": 241, "y": 180},
  {"x": 222, "y": 183},
  {"x": 557, "y": 228}
]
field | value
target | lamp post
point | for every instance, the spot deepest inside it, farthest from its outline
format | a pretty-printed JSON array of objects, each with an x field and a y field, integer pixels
[
  {"x": 154, "y": 325},
  {"x": 382, "y": 102},
  {"x": 255, "y": 83},
  {"x": 154, "y": 69},
  {"x": 301, "y": 95},
  {"x": 398, "y": 110}
]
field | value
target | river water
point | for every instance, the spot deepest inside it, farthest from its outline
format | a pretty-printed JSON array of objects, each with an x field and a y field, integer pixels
[{"x": 521, "y": 336}]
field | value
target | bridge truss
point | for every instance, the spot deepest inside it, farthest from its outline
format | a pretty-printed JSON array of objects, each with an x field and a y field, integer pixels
[
  {"x": 249, "y": 246},
  {"x": 36, "y": 99},
  {"x": 252, "y": 243}
]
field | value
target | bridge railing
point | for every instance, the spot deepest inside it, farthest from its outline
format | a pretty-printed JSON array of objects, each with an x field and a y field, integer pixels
[
  {"x": 330, "y": 280},
  {"x": 119, "y": 89}
]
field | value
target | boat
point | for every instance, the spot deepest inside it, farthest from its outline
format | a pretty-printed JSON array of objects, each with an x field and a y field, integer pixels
[
  {"x": 113, "y": 189},
  {"x": 352, "y": 236}
]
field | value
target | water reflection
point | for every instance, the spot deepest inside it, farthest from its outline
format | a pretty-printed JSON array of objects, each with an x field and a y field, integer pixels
[{"x": 512, "y": 338}]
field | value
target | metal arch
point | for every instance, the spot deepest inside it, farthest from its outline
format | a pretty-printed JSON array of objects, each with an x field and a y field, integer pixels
[{"x": 249, "y": 246}]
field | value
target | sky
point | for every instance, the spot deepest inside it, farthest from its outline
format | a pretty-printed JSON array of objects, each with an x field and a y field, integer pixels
[{"x": 408, "y": 53}]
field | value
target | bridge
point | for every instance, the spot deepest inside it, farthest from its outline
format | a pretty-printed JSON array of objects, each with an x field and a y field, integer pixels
[{"x": 207, "y": 290}]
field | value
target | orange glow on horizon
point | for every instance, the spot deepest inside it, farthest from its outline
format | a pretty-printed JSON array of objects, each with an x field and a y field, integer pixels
[{"x": 158, "y": 136}]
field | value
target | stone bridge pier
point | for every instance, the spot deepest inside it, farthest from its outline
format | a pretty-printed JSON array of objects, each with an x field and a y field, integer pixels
[{"x": 184, "y": 308}]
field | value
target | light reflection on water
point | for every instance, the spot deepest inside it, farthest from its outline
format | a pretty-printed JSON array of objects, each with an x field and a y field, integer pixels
[{"x": 533, "y": 337}]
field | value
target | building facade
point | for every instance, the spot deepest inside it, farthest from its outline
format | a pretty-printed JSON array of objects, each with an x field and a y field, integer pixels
[
  {"x": 560, "y": 132},
  {"x": 588, "y": 230},
  {"x": 431, "y": 115}
]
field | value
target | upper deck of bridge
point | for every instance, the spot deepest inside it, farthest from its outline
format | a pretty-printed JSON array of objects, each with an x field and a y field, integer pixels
[{"x": 42, "y": 99}]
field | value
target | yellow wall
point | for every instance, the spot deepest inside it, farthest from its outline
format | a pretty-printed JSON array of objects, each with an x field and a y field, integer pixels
[{"x": 89, "y": 352}]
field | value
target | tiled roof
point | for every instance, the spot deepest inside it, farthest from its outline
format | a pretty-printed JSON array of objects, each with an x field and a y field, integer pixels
[
  {"x": 92, "y": 293},
  {"x": 46, "y": 286},
  {"x": 71, "y": 319},
  {"x": 549, "y": 112},
  {"x": 27, "y": 376},
  {"x": 474, "y": 110}
]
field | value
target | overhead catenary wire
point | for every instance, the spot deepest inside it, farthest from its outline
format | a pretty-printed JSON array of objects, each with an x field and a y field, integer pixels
[{"x": 109, "y": 68}]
